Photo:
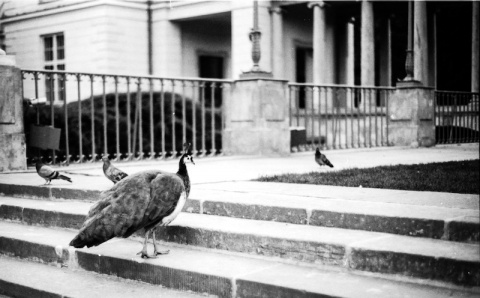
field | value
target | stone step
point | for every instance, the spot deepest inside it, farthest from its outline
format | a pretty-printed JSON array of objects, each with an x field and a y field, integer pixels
[
  {"x": 29, "y": 279},
  {"x": 424, "y": 258},
  {"x": 444, "y": 216},
  {"x": 209, "y": 271}
]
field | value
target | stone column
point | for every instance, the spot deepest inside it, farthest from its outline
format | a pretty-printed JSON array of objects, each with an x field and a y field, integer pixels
[
  {"x": 319, "y": 45},
  {"x": 420, "y": 43},
  {"x": 277, "y": 43},
  {"x": 12, "y": 133},
  {"x": 256, "y": 118},
  {"x": 351, "y": 53},
  {"x": 367, "y": 41},
  {"x": 475, "y": 46}
]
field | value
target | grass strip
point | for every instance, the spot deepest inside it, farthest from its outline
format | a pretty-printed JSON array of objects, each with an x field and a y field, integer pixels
[{"x": 454, "y": 177}]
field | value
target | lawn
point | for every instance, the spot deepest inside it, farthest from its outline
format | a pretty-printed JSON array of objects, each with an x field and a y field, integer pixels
[{"x": 455, "y": 177}]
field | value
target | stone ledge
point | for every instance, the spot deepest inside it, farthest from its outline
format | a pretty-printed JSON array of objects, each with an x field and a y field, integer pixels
[
  {"x": 314, "y": 245},
  {"x": 463, "y": 229},
  {"x": 224, "y": 275}
]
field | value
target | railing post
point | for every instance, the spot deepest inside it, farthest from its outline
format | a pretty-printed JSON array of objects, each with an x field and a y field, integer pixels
[
  {"x": 411, "y": 116},
  {"x": 257, "y": 119},
  {"x": 12, "y": 132}
]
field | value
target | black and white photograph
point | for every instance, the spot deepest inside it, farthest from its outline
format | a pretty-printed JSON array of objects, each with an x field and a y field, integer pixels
[{"x": 239, "y": 148}]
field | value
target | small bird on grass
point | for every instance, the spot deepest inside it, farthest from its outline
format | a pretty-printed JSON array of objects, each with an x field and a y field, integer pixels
[
  {"x": 48, "y": 173},
  {"x": 111, "y": 172},
  {"x": 321, "y": 159}
]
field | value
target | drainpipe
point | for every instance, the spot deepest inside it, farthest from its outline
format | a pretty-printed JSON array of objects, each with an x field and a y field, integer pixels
[{"x": 149, "y": 33}]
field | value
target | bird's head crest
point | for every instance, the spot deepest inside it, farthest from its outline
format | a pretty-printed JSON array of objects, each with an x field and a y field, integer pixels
[{"x": 186, "y": 155}]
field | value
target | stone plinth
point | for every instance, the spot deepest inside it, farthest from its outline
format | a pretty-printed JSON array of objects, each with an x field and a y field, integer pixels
[
  {"x": 256, "y": 118},
  {"x": 411, "y": 116},
  {"x": 12, "y": 136}
]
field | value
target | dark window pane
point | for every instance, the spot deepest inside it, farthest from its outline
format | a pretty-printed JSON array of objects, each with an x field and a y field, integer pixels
[
  {"x": 49, "y": 84},
  {"x": 60, "y": 47},
  {"x": 61, "y": 66},
  {"x": 48, "y": 42},
  {"x": 60, "y": 40}
]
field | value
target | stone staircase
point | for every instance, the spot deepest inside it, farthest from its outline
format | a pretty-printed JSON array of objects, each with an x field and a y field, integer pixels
[{"x": 250, "y": 239}]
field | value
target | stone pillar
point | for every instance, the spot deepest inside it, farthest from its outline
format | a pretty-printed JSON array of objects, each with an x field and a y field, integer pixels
[
  {"x": 351, "y": 53},
  {"x": 420, "y": 43},
  {"x": 256, "y": 118},
  {"x": 475, "y": 46},
  {"x": 277, "y": 43},
  {"x": 319, "y": 44},
  {"x": 12, "y": 134},
  {"x": 411, "y": 116},
  {"x": 367, "y": 41}
]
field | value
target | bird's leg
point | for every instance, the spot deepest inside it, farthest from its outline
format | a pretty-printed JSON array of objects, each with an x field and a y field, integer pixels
[
  {"x": 157, "y": 252},
  {"x": 143, "y": 253}
]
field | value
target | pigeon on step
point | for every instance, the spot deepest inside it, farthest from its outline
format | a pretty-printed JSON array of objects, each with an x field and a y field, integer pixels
[
  {"x": 144, "y": 200},
  {"x": 48, "y": 173},
  {"x": 111, "y": 172},
  {"x": 321, "y": 159}
]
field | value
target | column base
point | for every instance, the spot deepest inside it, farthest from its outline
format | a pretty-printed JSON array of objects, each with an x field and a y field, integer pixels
[{"x": 259, "y": 74}]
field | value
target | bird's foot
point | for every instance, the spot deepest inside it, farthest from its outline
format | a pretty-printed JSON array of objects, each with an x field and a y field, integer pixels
[
  {"x": 145, "y": 255},
  {"x": 161, "y": 252}
]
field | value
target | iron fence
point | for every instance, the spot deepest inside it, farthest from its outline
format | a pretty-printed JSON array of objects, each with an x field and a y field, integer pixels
[
  {"x": 338, "y": 117},
  {"x": 124, "y": 117},
  {"x": 456, "y": 117}
]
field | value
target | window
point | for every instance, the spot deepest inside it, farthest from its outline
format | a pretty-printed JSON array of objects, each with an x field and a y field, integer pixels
[
  {"x": 54, "y": 56},
  {"x": 211, "y": 67}
]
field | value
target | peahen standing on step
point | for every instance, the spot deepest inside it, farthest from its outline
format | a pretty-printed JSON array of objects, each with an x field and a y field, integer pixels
[
  {"x": 145, "y": 200},
  {"x": 321, "y": 159}
]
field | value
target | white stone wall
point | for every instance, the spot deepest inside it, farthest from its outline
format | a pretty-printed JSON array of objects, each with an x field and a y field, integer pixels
[{"x": 99, "y": 39}]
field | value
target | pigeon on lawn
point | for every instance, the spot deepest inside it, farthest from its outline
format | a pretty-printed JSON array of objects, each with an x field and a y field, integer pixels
[
  {"x": 48, "y": 173},
  {"x": 321, "y": 159},
  {"x": 144, "y": 200},
  {"x": 111, "y": 172}
]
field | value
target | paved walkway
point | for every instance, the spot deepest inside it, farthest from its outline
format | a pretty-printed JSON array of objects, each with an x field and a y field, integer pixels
[{"x": 242, "y": 168}]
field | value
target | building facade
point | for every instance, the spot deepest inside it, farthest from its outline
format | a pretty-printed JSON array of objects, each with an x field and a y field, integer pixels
[
  {"x": 322, "y": 42},
  {"x": 331, "y": 67}
]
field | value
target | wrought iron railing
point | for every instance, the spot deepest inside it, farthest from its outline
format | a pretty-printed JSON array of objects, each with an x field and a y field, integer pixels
[
  {"x": 456, "y": 117},
  {"x": 337, "y": 116},
  {"x": 124, "y": 117}
]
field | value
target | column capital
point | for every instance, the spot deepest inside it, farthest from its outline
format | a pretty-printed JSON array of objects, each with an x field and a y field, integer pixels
[
  {"x": 320, "y": 4},
  {"x": 276, "y": 9}
]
